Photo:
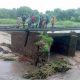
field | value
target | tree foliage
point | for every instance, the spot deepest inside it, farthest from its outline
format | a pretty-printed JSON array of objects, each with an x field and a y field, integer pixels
[{"x": 70, "y": 14}]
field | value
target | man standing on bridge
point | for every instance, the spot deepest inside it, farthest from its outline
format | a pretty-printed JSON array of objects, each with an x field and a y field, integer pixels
[
  {"x": 18, "y": 22},
  {"x": 41, "y": 19},
  {"x": 46, "y": 20},
  {"x": 23, "y": 20},
  {"x": 53, "y": 19},
  {"x": 31, "y": 21}
]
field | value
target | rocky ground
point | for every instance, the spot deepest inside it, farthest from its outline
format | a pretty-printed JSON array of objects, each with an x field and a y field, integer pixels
[{"x": 14, "y": 69}]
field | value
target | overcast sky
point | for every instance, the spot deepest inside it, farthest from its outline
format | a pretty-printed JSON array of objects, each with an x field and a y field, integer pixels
[{"x": 41, "y": 5}]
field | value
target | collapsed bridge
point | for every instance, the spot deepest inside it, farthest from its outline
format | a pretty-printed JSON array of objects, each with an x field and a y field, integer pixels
[{"x": 66, "y": 40}]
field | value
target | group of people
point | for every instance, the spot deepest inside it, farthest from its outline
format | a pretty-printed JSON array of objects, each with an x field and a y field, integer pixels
[{"x": 31, "y": 21}]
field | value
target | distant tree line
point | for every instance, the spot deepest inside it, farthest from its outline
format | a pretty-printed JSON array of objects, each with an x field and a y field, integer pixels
[
  {"x": 70, "y": 14},
  {"x": 14, "y": 13}
]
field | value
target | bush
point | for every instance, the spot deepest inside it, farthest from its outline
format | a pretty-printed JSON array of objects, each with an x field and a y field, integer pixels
[
  {"x": 44, "y": 43},
  {"x": 49, "y": 69}
]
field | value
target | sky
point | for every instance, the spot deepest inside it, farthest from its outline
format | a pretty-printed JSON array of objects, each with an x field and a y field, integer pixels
[{"x": 41, "y": 5}]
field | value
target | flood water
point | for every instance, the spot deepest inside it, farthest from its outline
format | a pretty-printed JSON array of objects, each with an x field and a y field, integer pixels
[
  {"x": 14, "y": 70},
  {"x": 11, "y": 70}
]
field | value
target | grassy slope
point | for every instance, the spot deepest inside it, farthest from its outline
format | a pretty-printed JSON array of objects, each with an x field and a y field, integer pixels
[
  {"x": 58, "y": 23},
  {"x": 68, "y": 23},
  {"x": 7, "y": 21}
]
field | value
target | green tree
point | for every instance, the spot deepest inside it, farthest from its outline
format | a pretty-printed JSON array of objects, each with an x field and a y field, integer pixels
[{"x": 24, "y": 11}]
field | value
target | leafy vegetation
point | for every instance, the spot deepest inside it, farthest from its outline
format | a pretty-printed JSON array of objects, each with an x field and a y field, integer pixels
[
  {"x": 44, "y": 43},
  {"x": 49, "y": 69}
]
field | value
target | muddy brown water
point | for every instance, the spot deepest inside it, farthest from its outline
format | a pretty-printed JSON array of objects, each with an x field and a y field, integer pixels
[{"x": 12, "y": 70}]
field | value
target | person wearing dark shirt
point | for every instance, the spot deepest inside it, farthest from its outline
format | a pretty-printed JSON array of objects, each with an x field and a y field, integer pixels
[
  {"x": 46, "y": 20},
  {"x": 41, "y": 19},
  {"x": 23, "y": 20}
]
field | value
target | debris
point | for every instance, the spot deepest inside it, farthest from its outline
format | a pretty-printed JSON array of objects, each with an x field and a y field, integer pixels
[
  {"x": 49, "y": 69},
  {"x": 8, "y": 57}
]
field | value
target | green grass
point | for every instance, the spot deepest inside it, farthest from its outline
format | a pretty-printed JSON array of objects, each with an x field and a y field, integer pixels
[
  {"x": 7, "y": 21},
  {"x": 68, "y": 23}
]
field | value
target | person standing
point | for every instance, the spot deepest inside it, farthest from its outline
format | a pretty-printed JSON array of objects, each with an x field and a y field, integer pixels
[
  {"x": 46, "y": 20},
  {"x": 18, "y": 22},
  {"x": 29, "y": 22},
  {"x": 33, "y": 19},
  {"x": 23, "y": 20},
  {"x": 53, "y": 19},
  {"x": 41, "y": 19}
]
